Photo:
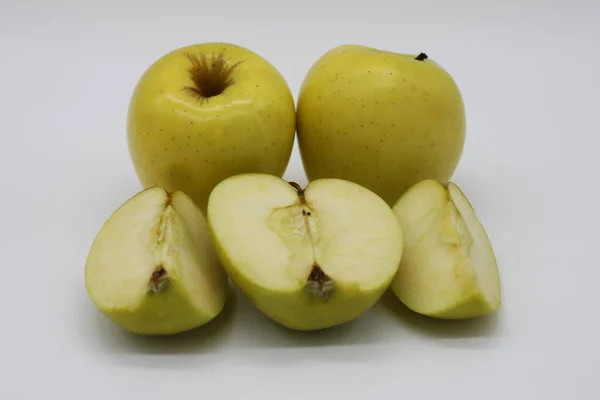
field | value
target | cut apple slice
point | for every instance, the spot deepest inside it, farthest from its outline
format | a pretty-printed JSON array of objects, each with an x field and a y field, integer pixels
[
  {"x": 152, "y": 268},
  {"x": 308, "y": 259},
  {"x": 448, "y": 269}
]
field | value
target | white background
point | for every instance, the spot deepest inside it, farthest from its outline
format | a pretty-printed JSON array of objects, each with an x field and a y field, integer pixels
[{"x": 528, "y": 71}]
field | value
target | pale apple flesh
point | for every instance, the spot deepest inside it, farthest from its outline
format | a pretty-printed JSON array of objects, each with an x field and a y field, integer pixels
[
  {"x": 448, "y": 269},
  {"x": 152, "y": 268},
  {"x": 309, "y": 259}
]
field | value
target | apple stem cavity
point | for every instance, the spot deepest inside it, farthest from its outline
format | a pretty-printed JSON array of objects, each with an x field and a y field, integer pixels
[
  {"x": 158, "y": 280},
  {"x": 421, "y": 57},
  {"x": 210, "y": 76},
  {"x": 319, "y": 284}
]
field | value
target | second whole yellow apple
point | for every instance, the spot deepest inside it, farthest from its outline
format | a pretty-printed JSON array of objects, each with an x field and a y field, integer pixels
[
  {"x": 383, "y": 120},
  {"x": 204, "y": 112}
]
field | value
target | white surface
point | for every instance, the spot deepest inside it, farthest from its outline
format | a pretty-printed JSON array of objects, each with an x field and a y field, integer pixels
[{"x": 529, "y": 76}]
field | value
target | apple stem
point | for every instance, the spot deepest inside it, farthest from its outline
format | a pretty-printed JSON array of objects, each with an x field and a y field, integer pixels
[
  {"x": 421, "y": 57},
  {"x": 298, "y": 188}
]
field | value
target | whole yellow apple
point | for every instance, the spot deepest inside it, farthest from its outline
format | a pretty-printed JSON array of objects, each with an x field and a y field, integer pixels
[
  {"x": 383, "y": 120},
  {"x": 205, "y": 112}
]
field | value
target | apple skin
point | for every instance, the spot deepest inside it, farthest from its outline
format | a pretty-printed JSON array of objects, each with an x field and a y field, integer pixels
[
  {"x": 383, "y": 120},
  {"x": 310, "y": 313},
  {"x": 180, "y": 143},
  {"x": 156, "y": 317}
]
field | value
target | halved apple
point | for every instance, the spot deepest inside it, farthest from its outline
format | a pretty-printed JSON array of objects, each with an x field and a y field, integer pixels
[
  {"x": 448, "y": 269},
  {"x": 152, "y": 268},
  {"x": 308, "y": 259}
]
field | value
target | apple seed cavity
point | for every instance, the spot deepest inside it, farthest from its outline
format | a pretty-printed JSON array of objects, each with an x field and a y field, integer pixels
[
  {"x": 318, "y": 283},
  {"x": 211, "y": 76},
  {"x": 158, "y": 280}
]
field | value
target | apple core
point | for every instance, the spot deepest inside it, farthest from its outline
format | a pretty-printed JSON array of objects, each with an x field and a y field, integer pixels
[{"x": 318, "y": 282}]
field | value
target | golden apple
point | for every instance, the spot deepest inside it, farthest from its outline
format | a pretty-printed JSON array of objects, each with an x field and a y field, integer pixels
[
  {"x": 307, "y": 258},
  {"x": 383, "y": 120},
  {"x": 204, "y": 112}
]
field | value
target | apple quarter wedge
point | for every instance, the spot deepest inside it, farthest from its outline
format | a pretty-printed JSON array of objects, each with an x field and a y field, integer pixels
[
  {"x": 152, "y": 268},
  {"x": 307, "y": 258},
  {"x": 448, "y": 269}
]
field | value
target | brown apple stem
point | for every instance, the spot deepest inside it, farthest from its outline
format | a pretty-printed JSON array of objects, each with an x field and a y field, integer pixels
[
  {"x": 298, "y": 188},
  {"x": 421, "y": 57}
]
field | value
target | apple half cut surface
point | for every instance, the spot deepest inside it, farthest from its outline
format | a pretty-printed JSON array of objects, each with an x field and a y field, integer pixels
[
  {"x": 152, "y": 268},
  {"x": 308, "y": 259},
  {"x": 448, "y": 269}
]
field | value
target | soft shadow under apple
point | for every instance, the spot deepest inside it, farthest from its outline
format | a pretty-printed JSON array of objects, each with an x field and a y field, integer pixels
[{"x": 261, "y": 332}]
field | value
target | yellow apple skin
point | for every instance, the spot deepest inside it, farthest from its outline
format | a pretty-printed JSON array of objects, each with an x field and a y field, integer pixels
[
  {"x": 383, "y": 120},
  {"x": 181, "y": 143},
  {"x": 309, "y": 313}
]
